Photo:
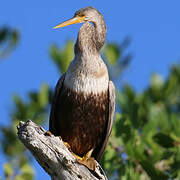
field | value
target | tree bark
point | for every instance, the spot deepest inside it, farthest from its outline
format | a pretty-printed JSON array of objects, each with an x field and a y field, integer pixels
[{"x": 53, "y": 156}]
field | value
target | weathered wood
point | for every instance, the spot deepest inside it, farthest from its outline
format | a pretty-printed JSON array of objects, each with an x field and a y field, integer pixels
[{"x": 53, "y": 156}]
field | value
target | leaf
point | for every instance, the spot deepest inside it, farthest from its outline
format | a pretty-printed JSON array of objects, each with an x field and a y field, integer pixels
[
  {"x": 43, "y": 95},
  {"x": 15, "y": 37},
  {"x": 156, "y": 89},
  {"x": 112, "y": 53},
  {"x": 8, "y": 170},
  {"x": 3, "y": 34},
  {"x": 175, "y": 123},
  {"x": 156, "y": 81},
  {"x": 62, "y": 57},
  {"x": 164, "y": 140},
  {"x": 19, "y": 177},
  {"x": 9, "y": 38},
  {"x": 27, "y": 172},
  {"x": 23, "y": 161}
]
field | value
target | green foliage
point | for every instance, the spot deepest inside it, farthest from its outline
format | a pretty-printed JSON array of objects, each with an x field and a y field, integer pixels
[
  {"x": 146, "y": 134},
  {"x": 112, "y": 53},
  {"x": 26, "y": 172},
  {"x": 164, "y": 140},
  {"x": 115, "y": 58},
  {"x": 36, "y": 108},
  {"x": 9, "y": 39},
  {"x": 8, "y": 170},
  {"x": 62, "y": 57}
]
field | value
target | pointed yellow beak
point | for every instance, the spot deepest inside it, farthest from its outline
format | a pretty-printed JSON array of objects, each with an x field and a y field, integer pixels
[{"x": 73, "y": 20}]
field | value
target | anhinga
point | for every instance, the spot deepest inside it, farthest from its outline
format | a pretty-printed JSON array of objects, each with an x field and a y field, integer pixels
[{"x": 83, "y": 104}]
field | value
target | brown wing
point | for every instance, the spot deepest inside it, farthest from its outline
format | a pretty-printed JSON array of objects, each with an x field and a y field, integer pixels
[
  {"x": 57, "y": 93},
  {"x": 111, "y": 96}
]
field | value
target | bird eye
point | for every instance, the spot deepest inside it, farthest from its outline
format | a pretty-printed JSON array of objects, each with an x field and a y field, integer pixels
[{"x": 81, "y": 15}]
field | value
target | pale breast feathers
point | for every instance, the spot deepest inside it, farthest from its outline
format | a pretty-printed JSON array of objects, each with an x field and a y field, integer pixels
[{"x": 87, "y": 79}]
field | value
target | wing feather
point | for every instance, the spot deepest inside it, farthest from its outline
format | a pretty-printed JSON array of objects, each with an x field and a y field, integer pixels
[
  {"x": 57, "y": 93},
  {"x": 111, "y": 96}
]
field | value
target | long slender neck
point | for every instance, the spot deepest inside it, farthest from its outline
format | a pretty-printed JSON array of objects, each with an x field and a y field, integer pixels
[
  {"x": 88, "y": 73},
  {"x": 91, "y": 38}
]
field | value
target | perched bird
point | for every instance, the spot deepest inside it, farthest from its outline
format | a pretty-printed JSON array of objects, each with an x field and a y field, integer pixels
[{"x": 84, "y": 100}]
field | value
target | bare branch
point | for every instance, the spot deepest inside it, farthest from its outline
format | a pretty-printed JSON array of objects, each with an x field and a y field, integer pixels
[{"x": 53, "y": 156}]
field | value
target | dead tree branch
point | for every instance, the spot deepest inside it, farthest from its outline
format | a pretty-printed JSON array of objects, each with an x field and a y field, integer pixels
[{"x": 53, "y": 156}]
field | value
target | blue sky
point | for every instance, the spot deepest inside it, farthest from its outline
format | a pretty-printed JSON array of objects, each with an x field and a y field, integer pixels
[{"x": 154, "y": 27}]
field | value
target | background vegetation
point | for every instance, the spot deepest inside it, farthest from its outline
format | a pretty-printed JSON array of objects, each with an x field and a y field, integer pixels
[{"x": 146, "y": 134}]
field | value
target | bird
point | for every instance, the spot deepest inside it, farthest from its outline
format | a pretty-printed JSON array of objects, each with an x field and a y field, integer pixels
[{"x": 83, "y": 104}]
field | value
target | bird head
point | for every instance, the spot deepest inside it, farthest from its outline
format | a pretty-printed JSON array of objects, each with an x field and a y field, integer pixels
[{"x": 88, "y": 14}]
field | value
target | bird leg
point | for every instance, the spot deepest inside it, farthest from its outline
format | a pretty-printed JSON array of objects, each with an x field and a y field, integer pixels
[
  {"x": 67, "y": 145},
  {"x": 86, "y": 160},
  {"x": 85, "y": 157}
]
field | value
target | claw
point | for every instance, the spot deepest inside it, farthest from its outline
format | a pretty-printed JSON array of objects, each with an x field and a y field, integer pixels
[
  {"x": 67, "y": 145},
  {"x": 86, "y": 160},
  {"x": 48, "y": 133}
]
